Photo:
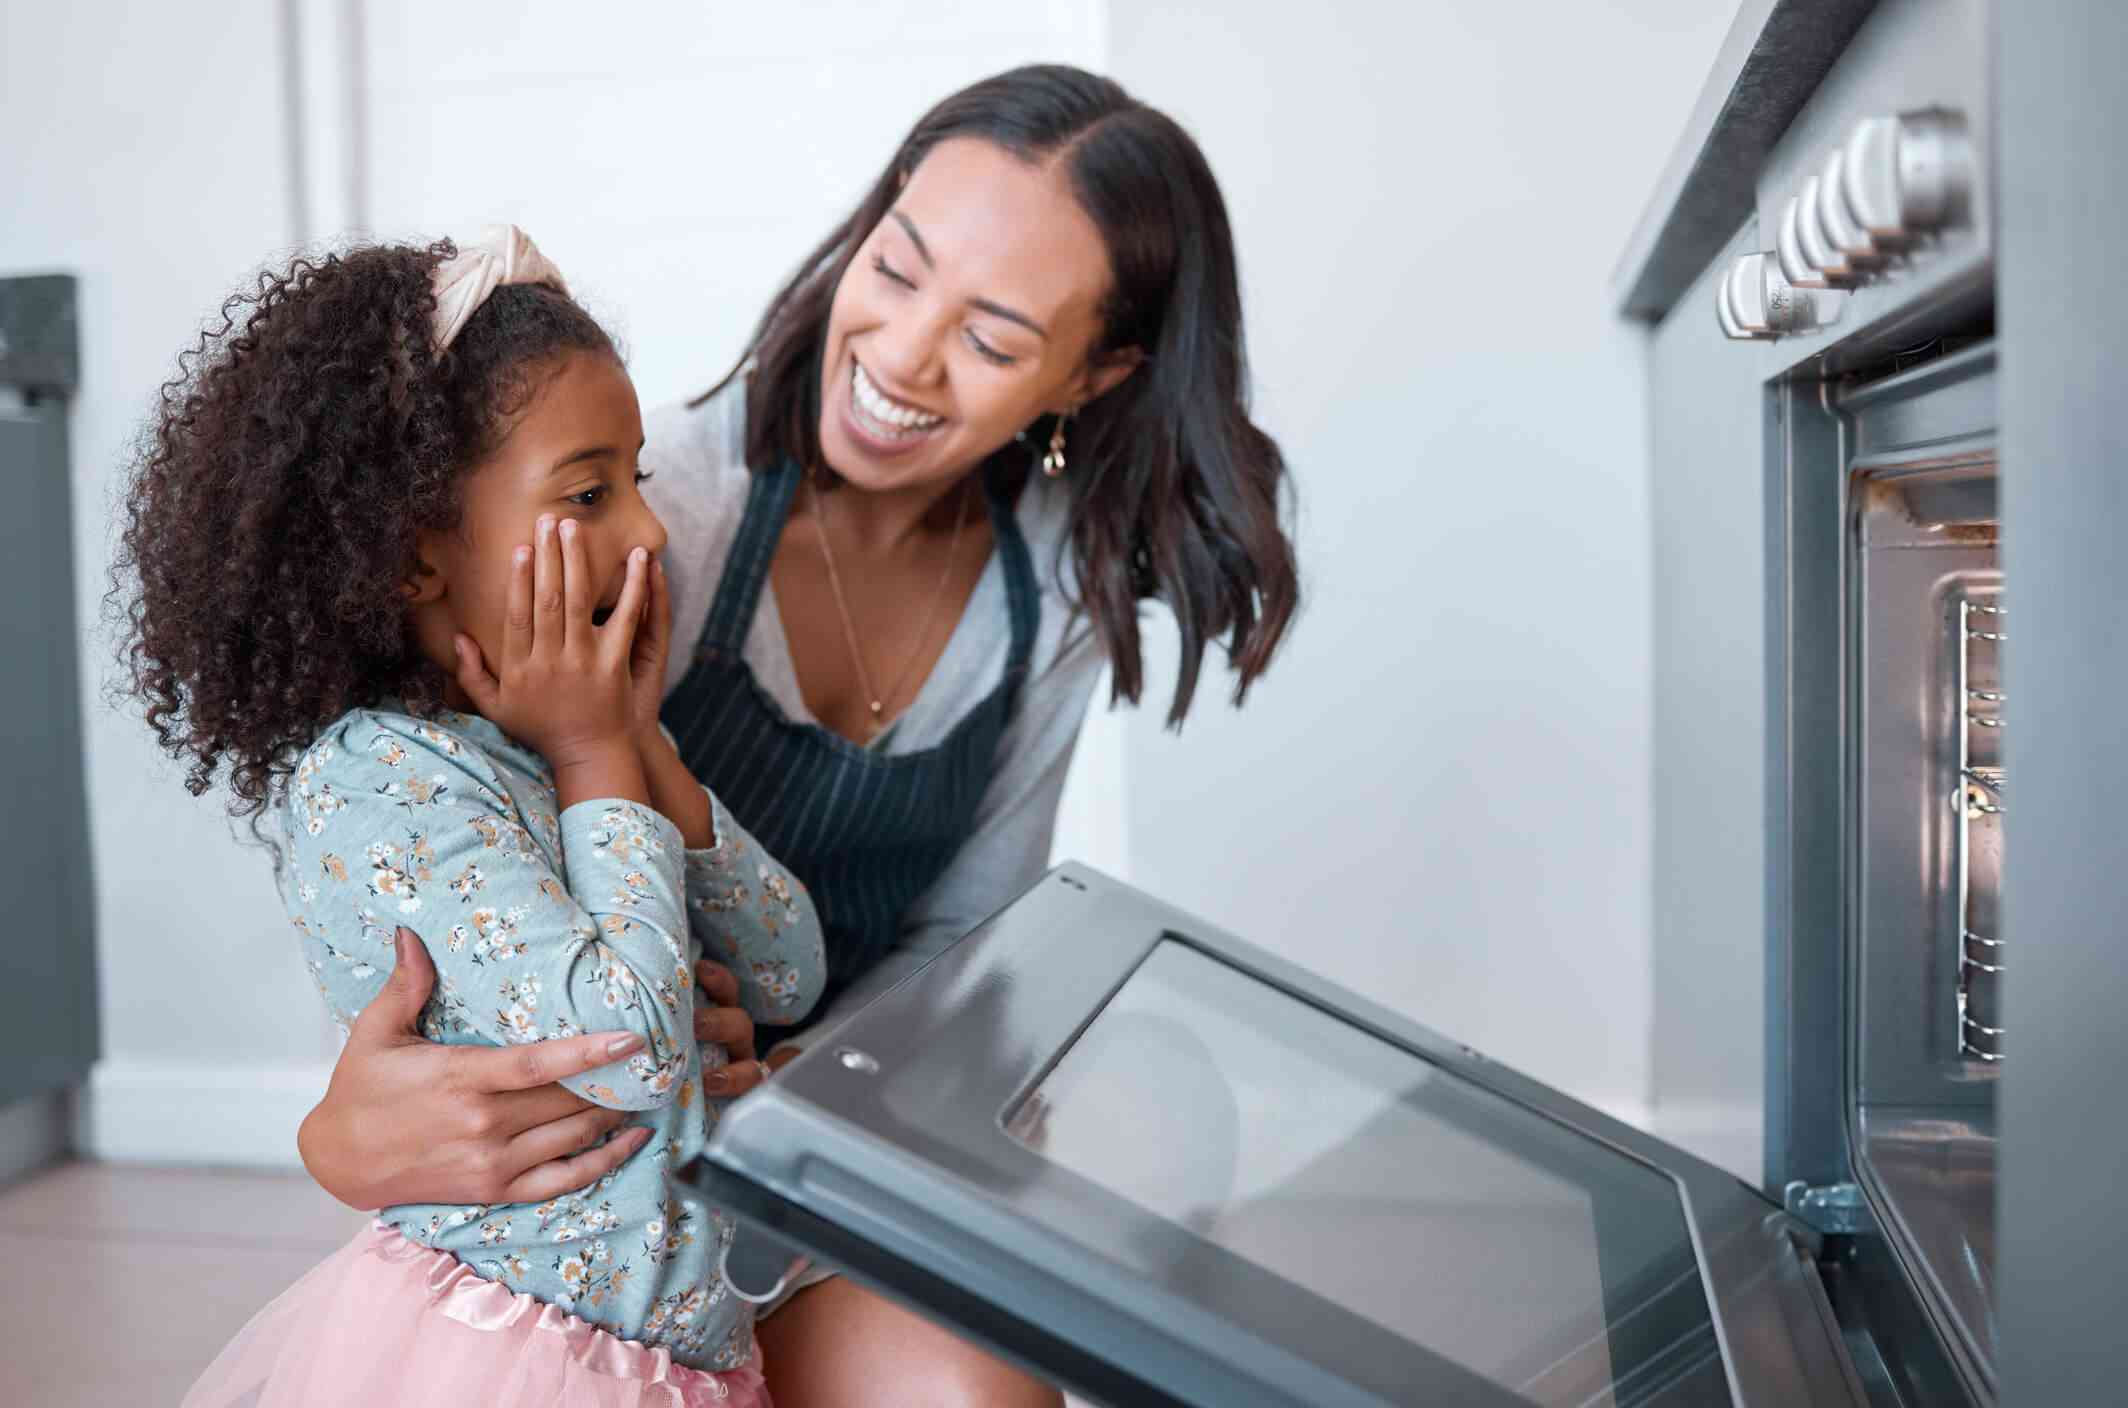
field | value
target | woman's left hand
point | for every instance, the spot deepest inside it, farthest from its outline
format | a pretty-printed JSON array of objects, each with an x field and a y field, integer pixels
[{"x": 721, "y": 1021}]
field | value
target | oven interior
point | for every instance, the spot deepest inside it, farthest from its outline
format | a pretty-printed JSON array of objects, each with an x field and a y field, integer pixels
[{"x": 1925, "y": 710}]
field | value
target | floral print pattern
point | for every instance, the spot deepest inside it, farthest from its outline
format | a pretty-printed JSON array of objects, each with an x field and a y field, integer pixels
[
  {"x": 757, "y": 919},
  {"x": 544, "y": 923}
]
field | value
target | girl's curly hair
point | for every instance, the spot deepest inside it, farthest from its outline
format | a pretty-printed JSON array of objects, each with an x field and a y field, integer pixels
[{"x": 272, "y": 506}]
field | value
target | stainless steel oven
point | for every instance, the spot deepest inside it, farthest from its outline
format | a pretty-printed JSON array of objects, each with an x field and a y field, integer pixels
[
  {"x": 1872, "y": 348},
  {"x": 1158, "y": 1164},
  {"x": 1864, "y": 282}
]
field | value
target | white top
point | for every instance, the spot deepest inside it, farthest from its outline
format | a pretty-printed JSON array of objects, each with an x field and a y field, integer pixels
[{"x": 699, "y": 488}]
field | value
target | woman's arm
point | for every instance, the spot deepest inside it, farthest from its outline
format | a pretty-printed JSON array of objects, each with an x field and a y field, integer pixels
[
  {"x": 1016, "y": 821},
  {"x": 408, "y": 1121},
  {"x": 404, "y": 822}
]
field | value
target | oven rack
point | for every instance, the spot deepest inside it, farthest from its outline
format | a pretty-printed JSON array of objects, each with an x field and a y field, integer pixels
[{"x": 1978, "y": 797}]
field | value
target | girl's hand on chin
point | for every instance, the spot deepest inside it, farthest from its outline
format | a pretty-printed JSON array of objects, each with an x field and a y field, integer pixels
[{"x": 563, "y": 686}]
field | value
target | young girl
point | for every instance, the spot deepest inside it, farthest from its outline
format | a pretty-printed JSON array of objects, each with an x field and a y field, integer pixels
[{"x": 395, "y": 582}]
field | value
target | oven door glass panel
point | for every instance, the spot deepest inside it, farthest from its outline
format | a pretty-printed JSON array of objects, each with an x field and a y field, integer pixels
[
  {"x": 1161, "y": 1166},
  {"x": 1362, "y": 1173}
]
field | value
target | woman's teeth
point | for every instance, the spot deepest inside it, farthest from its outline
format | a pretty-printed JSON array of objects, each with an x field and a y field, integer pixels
[{"x": 886, "y": 416}]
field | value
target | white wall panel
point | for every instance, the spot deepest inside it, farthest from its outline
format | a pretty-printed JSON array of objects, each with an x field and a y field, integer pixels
[{"x": 1440, "y": 796}]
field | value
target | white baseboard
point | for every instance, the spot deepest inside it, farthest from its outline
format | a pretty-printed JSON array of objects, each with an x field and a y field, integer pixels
[{"x": 134, "y": 1111}]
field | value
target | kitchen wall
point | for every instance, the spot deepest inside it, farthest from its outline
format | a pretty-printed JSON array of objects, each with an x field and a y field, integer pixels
[{"x": 1441, "y": 794}]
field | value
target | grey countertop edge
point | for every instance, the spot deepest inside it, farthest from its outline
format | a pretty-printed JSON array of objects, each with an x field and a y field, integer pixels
[{"x": 1776, "y": 54}]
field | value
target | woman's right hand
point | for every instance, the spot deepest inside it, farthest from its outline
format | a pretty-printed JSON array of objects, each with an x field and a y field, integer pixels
[
  {"x": 562, "y": 686},
  {"x": 409, "y": 1121}
]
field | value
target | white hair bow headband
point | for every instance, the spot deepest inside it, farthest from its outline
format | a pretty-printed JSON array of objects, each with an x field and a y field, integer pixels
[{"x": 502, "y": 255}]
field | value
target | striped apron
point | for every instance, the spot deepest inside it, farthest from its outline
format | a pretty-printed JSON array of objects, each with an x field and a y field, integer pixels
[{"x": 867, "y": 831}]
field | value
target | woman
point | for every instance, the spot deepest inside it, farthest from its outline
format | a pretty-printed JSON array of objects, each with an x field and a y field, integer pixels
[{"x": 999, "y": 406}]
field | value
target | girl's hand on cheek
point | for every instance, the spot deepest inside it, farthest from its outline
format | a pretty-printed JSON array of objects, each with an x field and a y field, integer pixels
[
  {"x": 562, "y": 686},
  {"x": 647, "y": 661},
  {"x": 673, "y": 789}
]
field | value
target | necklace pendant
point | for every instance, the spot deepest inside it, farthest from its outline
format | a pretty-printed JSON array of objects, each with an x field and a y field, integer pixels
[{"x": 878, "y": 707}]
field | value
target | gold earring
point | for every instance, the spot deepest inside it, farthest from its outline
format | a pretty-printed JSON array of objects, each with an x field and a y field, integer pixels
[{"x": 1053, "y": 462}]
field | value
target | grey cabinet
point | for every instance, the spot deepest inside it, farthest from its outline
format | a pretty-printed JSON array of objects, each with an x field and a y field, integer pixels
[{"x": 48, "y": 1022}]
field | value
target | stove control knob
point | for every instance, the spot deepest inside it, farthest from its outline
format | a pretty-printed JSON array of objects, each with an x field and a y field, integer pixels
[
  {"x": 1838, "y": 222},
  {"x": 1788, "y": 249},
  {"x": 1756, "y": 299},
  {"x": 1722, "y": 314},
  {"x": 1792, "y": 309},
  {"x": 1818, "y": 251},
  {"x": 1905, "y": 176},
  {"x": 1725, "y": 309},
  {"x": 1748, "y": 302}
]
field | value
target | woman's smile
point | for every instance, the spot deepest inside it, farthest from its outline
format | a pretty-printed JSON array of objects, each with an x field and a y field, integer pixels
[
  {"x": 892, "y": 414},
  {"x": 881, "y": 423}
]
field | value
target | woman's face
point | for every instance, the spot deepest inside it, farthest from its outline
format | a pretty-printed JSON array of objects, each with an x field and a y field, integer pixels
[
  {"x": 969, "y": 311},
  {"x": 570, "y": 454}
]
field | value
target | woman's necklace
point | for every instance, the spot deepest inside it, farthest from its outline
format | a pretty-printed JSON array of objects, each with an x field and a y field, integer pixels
[{"x": 874, "y": 701}]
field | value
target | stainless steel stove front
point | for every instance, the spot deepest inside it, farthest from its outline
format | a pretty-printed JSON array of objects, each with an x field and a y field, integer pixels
[{"x": 1941, "y": 879}]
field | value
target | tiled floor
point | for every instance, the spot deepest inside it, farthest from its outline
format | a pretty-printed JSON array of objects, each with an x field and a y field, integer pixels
[{"x": 120, "y": 1283}]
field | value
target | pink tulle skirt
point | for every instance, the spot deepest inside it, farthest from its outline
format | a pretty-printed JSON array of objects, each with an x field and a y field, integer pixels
[{"x": 385, "y": 1321}]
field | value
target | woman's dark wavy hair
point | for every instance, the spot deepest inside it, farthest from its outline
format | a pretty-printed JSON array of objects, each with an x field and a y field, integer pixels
[
  {"x": 272, "y": 503},
  {"x": 1176, "y": 494}
]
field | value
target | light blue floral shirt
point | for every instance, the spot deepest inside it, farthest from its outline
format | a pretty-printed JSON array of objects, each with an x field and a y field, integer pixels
[{"x": 548, "y": 923}]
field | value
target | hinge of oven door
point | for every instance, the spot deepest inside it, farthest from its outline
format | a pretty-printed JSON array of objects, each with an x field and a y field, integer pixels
[{"x": 1836, "y": 1209}]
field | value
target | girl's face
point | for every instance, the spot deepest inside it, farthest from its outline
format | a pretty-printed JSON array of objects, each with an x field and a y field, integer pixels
[
  {"x": 969, "y": 311},
  {"x": 571, "y": 454}
]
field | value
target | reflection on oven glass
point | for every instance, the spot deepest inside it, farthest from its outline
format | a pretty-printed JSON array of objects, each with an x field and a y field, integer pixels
[{"x": 1367, "y": 1176}]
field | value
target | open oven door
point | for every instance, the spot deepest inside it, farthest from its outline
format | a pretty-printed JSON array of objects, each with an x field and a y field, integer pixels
[{"x": 1160, "y": 1166}]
